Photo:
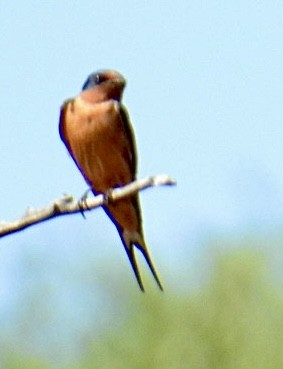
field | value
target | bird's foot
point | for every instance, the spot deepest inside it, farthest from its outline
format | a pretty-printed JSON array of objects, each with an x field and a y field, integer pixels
[
  {"x": 83, "y": 202},
  {"x": 107, "y": 197}
]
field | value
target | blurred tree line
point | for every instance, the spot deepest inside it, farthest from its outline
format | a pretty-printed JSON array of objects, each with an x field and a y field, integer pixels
[{"x": 234, "y": 321}]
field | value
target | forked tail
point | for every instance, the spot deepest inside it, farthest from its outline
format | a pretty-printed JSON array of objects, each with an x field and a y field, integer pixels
[{"x": 129, "y": 242}]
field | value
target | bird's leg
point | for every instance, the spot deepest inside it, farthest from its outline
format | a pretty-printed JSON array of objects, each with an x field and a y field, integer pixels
[{"x": 83, "y": 203}]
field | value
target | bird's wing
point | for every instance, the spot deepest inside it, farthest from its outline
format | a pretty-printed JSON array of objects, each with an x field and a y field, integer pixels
[
  {"x": 62, "y": 124},
  {"x": 130, "y": 155},
  {"x": 63, "y": 131}
]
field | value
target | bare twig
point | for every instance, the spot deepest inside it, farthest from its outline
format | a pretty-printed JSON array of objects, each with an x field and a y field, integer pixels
[{"x": 69, "y": 205}]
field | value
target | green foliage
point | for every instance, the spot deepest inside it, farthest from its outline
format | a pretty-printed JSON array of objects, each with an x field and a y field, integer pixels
[
  {"x": 235, "y": 322},
  {"x": 18, "y": 361}
]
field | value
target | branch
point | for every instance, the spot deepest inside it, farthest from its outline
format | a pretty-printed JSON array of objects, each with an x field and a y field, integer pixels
[{"x": 69, "y": 205}]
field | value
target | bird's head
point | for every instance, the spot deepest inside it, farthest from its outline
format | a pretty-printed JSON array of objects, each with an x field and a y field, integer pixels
[{"x": 103, "y": 85}]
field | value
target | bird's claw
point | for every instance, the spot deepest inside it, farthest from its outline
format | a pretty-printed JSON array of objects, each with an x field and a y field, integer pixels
[
  {"x": 83, "y": 202},
  {"x": 107, "y": 197}
]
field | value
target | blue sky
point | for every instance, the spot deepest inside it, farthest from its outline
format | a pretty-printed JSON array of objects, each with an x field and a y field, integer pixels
[{"x": 205, "y": 86}]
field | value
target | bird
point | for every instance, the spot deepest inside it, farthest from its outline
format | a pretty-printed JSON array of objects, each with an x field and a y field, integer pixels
[{"x": 96, "y": 130}]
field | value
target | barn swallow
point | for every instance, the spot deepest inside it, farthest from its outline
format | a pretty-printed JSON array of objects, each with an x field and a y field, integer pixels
[{"x": 96, "y": 129}]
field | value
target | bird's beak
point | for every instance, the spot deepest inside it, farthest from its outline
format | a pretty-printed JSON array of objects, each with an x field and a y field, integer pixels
[{"x": 120, "y": 82}]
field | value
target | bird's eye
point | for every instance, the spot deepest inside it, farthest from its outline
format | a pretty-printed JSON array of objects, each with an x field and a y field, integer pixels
[{"x": 97, "y": 78}]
